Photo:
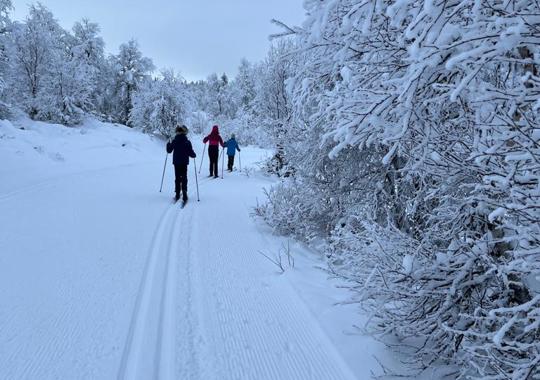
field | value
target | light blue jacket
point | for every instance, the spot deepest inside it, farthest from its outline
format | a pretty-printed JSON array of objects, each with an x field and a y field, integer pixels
[{"x": 232, "y": 147}]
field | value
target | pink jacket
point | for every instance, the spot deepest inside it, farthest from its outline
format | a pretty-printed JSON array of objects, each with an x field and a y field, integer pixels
[{"x": 214, "y": 138}]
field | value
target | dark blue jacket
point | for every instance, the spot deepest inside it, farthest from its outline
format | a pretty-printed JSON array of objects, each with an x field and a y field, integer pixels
[
  {"x": 182, "y": 149},
  {"x": 232, "y": 146}
]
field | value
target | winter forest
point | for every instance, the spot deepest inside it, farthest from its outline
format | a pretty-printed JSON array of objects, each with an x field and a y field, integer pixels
[{"x": 407, "y": 145}]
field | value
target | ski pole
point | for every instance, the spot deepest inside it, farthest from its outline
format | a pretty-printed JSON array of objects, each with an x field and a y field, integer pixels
[
  {"x": 202, "y": 158},
  {"x": 196, "y": 179},
  {"x": 219, "y": 159},
  {"x": 163, "y": 175},
  {"x": 240, "y": 160},
  {"x": 223, "y": 163}
]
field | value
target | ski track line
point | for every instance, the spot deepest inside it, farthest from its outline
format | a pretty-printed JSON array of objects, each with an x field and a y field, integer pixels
[
  {"x": 168, "y": 342},
  {"x": 141, "y": 324},
  {"x": 167, "y": 363},
  {"x": 135, "y": 337}
]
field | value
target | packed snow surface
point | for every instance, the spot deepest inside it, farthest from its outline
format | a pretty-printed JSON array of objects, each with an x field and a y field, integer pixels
[{"x": 102, "y": 276}]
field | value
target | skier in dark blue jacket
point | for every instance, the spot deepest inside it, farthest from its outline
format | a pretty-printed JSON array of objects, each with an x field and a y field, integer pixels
[
  {"x": 182, "y": 150},
  {"x": 232, "y": 147}
]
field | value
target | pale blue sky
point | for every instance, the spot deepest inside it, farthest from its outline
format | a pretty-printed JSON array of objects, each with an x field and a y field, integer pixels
[{"x": 195, "y": 37}]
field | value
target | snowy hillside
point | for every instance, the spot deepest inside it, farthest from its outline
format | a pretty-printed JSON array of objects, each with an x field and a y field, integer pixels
[
  {"x": 103, "y": 276},
  {"x": 35, "y": 152}
]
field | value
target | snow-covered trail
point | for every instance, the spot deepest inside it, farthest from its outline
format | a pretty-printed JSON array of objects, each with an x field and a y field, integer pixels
[
  {"x": 208, "y": 308},
  {"x": 72, "y": 253},
  {"x": 102, "y": 277}
]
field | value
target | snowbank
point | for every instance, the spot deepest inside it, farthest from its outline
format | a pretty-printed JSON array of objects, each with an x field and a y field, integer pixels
[{"x": 32, "y": 152}]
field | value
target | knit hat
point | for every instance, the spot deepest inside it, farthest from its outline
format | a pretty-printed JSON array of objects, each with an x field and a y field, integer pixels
[{"x": 182, "y": 130}]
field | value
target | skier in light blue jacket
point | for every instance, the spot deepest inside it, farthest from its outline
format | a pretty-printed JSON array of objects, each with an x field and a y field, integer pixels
[{"x": 232, "y": 147}]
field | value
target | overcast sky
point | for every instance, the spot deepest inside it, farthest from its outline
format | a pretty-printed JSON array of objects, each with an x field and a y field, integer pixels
[{"x": 195, "y": 37}]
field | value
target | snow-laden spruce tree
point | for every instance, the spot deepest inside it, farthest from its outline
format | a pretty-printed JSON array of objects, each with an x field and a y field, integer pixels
[{"x": 434, "y": 106}]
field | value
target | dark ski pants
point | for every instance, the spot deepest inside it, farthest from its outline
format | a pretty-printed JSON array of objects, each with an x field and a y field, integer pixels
[
  {"x": 230, "y": 163},
  {"x": 180, "y": 172},
  {"x": 213, "y": 154}
]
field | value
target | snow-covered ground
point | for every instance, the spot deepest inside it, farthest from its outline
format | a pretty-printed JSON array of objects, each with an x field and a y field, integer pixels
[{"x": 102, "y": 276}]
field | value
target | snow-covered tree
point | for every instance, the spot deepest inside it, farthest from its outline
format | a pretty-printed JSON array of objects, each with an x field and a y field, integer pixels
[
  {"x": 245, "y": 83},
  {"x": 5, "y": 28},
  {"x": 219, "y": 102},
  {"x": 418, "y": 157},
  {"x": 77, "y": 76},
  {"x": 87, "y": 62},
  {"x": 132, "y": 70},
  {"x": 107, "y": 98},
  {"x": 35, "y": 56},
  {"x": 159, "y": 106},
  {"x": 198, "y": 121},
  {"x": 5, "y": 21},
  {"x": 54, "y": 74},
  {"x": 272, "y": 104}
]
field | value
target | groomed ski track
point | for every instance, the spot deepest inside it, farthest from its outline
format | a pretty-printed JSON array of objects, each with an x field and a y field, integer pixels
[
  {"x": 205, "y": 310},
  {"x": 196, "y": 302}
]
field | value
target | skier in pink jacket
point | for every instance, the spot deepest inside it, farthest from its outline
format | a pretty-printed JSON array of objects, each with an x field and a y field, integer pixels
[{"x": 214, "y": 140}]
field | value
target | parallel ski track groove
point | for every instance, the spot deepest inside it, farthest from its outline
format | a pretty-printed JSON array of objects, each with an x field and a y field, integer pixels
[
  {"x": 166, "y": 369},
  {"x": 131, "y": 358}
]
